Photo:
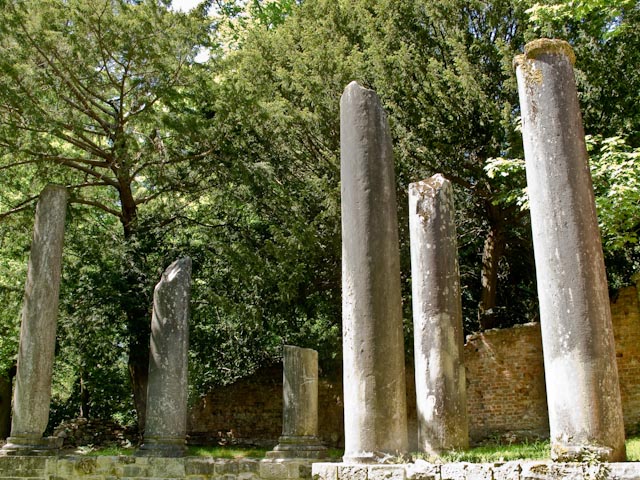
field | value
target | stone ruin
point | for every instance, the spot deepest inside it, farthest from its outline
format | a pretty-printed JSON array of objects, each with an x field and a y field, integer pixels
[
  {"x": 582, "y": 384},
  {"x": 585, "y": 412},
  {"x": 299, "y": 406}
]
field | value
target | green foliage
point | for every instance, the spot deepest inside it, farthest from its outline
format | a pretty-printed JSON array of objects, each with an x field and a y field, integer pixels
[
  {"x": 539, "y": 450},
  {"x": 615, "y": 168},
  {"x": 603, "y": 15}
]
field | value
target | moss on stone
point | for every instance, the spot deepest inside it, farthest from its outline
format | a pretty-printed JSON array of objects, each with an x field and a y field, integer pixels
[{"x": 549, "y": 46}]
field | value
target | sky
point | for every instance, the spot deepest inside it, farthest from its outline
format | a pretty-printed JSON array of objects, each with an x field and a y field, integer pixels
[{"x": 184, "y": 5}]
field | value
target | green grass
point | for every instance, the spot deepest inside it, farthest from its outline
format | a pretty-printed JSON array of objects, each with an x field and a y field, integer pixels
[
  {"x": 633, "y": 449},
  {"x": 106, "y": 451},
  {"x": 500, "y": 453},
  {"x": 484, "y": 454},
  {"x": 226, "y": 452},
  {"x": 539, "y": 450}
]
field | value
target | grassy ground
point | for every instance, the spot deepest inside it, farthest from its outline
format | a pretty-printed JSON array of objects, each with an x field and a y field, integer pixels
[{"x": 483, "y": 454}]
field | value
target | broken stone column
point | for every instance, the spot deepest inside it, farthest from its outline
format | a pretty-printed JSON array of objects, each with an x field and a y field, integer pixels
[
  {"x": 32, "y": 392},
  {"x": 375, "y": 414},
  {"x": 585, "y": 413},
  {"x": 441, "y": 396},
  {"x": 166, "y": 425},
  {"x": 299, "y": 406}
]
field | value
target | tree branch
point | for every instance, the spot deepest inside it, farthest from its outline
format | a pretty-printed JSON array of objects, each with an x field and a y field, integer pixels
[
  {"x": 94, "y": 203},
  {"x": 18, "y": 208}
]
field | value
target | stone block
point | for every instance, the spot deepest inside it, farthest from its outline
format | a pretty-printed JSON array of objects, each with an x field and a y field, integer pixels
[
  {"x": 453, "y": 471},
  {"x": 324, "y": 471},
  {"x": 20, "y": 466},
  {"x": 86, "y": 465},
  {"x": 107, "y": 465},
  {"x": 386, "y": 472},
  {"x": 199, "y": 466},
  {"x": 352, "y": 472},
  {"x": 227, "y": 476},
  {"x": 422, "y": 470},
  {"x": 479, "y": 471},
  {"x": 304, "y": 470},
  {"x": 135, "y": 471},
  {"x": 248, "y": 476},
  {"x": 624, "y": 471},
  {"x": 506, "y": 471},
  {"x": 535, "y": 471},
  {"x": 273, "y": 469},
  {"x": 64, "y": 467},
  {"x": 161, "y": 467},
  {"x": 224, "y": 467},
  {"x": 247, "y": 465}
]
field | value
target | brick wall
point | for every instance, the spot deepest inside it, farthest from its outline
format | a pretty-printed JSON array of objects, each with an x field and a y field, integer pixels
[
  {"x": 625, "y": 313},
  {"x": 250, "y": 411},
  {"x": 505, "y": 389},
  {"x": 505, "y": 383}
]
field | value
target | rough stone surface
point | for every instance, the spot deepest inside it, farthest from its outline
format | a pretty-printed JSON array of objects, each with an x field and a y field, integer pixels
[
  {"x": 585, "y": 413},
  {"x": 76, "y": 467},
  {"x": 514, "y": 470},
  {"x": 32, "y": 391},
  {"x": 300, "y": 406},
  {"x": 373, "y": 350},
  {"x": 437, "y": 318},
  {"x": 168, "y": 372}
]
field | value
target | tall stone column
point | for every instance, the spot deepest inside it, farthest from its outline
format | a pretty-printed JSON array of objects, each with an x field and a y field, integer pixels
[
  {"x": 375, "y": 414},
  {"x": 32, "y": 392},
  {"x": 299, "y": 406},
  {"x": 441, "y": 395},
  {"x": 166, "y": 425},
  {"x": 585, "y": 413}
]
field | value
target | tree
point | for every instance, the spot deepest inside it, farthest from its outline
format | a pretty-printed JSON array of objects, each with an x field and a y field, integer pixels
[{"x": 89, "y": 89}]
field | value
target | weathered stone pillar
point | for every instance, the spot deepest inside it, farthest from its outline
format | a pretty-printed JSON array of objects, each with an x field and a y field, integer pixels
[
  {"x": 32, "y": 392},
  {"x": 585, "y": 413},
  {"x": 374, "y": 380},
  {"x": 299, "y": 406},
  {"x": 441, "y": 395},
  {"x": 166, "y": 424}
]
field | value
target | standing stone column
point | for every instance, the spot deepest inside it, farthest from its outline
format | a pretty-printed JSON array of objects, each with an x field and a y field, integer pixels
[
  {"x": 299, "y": 406},
  {"x": 375, "y": 414},
  {"x": 441, "y": 395},
  {"x": 32, "y": 392},
  {"x": 166, "y": 425},
  {"x": 585, "y": 413}
]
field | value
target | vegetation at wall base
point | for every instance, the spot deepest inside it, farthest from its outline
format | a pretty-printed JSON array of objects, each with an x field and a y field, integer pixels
[{"x": 489, "y": 453}]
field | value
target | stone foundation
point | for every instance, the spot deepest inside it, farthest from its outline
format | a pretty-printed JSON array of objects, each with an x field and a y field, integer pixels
[
  {"x": 77, "y": 467},
  {"x": 515, "y": 470}
]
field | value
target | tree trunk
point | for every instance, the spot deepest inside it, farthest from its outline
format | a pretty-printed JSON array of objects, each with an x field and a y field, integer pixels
[
  {"x": 6, "y": 382},
  {"x": 5, "y": 406},
  {"x": 494, "y": 246},
  {"x": 136, "y": 305}
]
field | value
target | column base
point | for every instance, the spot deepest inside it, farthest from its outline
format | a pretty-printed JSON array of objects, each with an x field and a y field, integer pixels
[
  {"x": 582, "y": 453},
  {"x": 162, "y": 447},
  {"x": 298, "y": 447},
  {"x": 31, "y": 445},
  {"x": 373, "y": 457}
]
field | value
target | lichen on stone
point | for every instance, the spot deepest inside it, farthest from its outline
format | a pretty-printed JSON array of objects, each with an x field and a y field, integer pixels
[{"x": 549, "y": 46}]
